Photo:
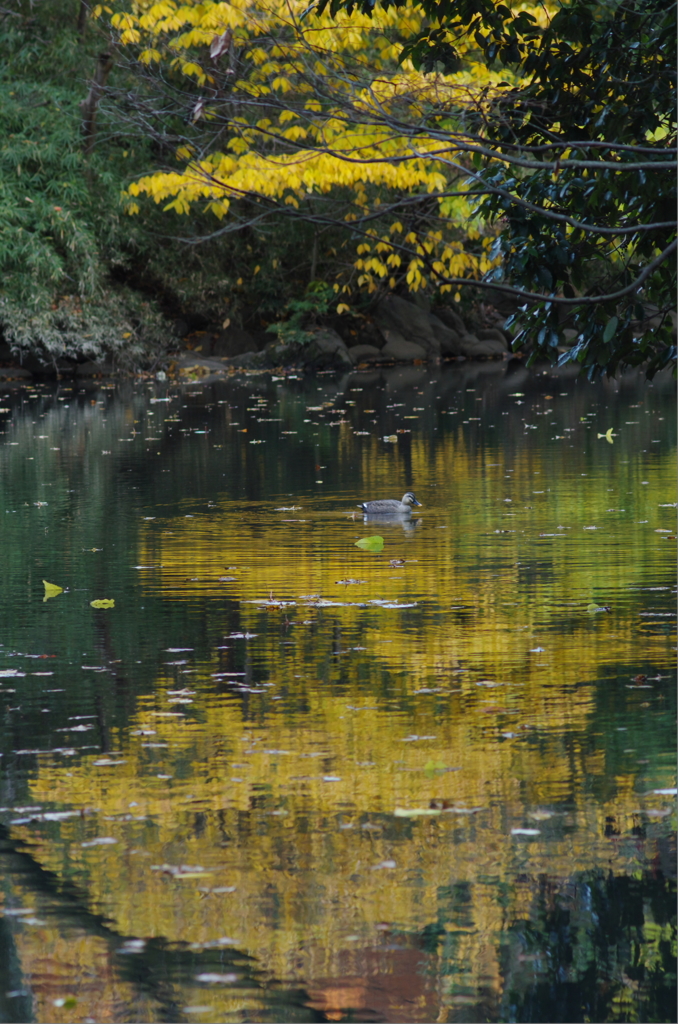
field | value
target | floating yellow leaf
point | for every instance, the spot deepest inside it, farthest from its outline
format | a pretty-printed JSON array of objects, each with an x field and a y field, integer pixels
[
  {"x": 607, "y": 435},
  {"x": 416, "y": 812},
  {"x": 375, "y": 543},
  {"x": 103, "y": 603},
  {"x": 51, "y": 590}
]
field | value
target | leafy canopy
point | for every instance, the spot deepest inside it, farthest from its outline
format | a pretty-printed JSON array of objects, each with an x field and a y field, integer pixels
[{"x": 529, "y": 149}]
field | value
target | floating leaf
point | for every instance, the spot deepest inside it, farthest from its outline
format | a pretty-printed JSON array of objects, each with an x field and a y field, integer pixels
[
  {"x": 594, "y": 609},
  {"x": 104, "y": 602},
  {"x": 51, "y": 590},
  {"x": 209, "y": 978},
  {"x": 416, "y": 812},
  {"x": 607, "y": 435},
  {"x": 432, "y": 768},
  {"x": 375, "y": 543}
]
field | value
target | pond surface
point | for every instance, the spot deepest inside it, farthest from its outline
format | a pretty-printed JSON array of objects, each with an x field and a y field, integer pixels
[{"x": 284, "y": 778}]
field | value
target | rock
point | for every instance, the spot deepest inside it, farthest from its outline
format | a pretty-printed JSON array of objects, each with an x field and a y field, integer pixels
[
  {"x": 363, "y": 333},
  {"x": 330, "y": 349},
  {"x": 234, "y": 341},
  {"x": 323, "y": 349},
  {"x": 189, "y": 322},
  {"x": 475, "y": 348},
  {"x": 247, "y": 359},
  {"x": 451, "y": 318},
  {"x": 492, "y": 334},
  {"x": 450, "y": 339},
  {"x": 402, "y": 351},
  {"x": 197, "y": 367},
  {"x": 410, "y": 322},
  {"x": 364, "y": 354},
  {"x": 15, "y": 373}
]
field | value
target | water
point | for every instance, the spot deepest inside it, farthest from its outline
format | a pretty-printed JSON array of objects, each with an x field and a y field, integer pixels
[{"x": 287, "y": 779}]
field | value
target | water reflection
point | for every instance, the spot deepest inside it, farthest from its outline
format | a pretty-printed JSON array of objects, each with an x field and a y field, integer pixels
[
  {"x": 285, "y": 778},
  {"x": 399, "y": 520}
]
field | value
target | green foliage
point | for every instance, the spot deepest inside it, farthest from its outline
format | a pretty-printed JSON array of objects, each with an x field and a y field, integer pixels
[
  {"x": 584, "y": 190},
  {"x": 60, "y": 213},
  {"x": 78, "y": 278},
  {"x": 304, "y": 313},
  {"x": 602, "y": 75}
]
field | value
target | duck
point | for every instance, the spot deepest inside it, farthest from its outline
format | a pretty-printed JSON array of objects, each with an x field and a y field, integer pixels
[{"x": 389, "y": 506}]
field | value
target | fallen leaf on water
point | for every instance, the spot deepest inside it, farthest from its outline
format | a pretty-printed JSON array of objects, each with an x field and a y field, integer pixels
[
  {"x": 607, "y": 435},
  {"x": 104, "y": 602},
  {"x": 392, "y": 438},
  {"x": 217, "y": 979},
  {"x": 375, "y": 543},
  {"x": 594, "y": 609},
  {"x": 445, "y": 805},
  {"x": 395, "y": 562},
  {"x": 181, "y": 870},
  {"x": 51, "y": 590},
  {"x": 416, "y": 812},
  {"x": 70, "y": 1002}
]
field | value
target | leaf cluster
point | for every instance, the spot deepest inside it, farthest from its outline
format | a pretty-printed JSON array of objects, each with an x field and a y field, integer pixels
[{"x": 576, "y": 164}]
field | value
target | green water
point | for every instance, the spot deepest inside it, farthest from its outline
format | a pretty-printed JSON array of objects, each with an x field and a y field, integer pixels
[{"x": 286, "y": 778}]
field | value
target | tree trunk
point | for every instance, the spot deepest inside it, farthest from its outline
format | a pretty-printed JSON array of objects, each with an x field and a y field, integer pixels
[
  {"x": 89, "y": 106},
  {"x": 83, "y": 11}
]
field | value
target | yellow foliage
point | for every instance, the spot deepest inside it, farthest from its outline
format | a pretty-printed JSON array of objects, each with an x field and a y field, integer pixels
[{"x": 335, "y": 149}]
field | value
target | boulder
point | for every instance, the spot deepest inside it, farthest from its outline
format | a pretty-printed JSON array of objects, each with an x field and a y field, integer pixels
[
  {"x": 402, "y": 351},
  {"x": 247, "y": 359},
  {"x": 451, "y": 318},
  {"x": 492, "y": 334},
  {"x": 364, "y": 354},
  {"x": 330, "y": 349},
  {"x": 364, "y": 332},
  {"x": 233, "y": 341},
  {"x": 197, "y": 366},
  {"x": 475, "y": 348},
  {"x": 450, "y": 339},
  {"x": 15, "y": 373},
  {"x": 409, "y": 321}
]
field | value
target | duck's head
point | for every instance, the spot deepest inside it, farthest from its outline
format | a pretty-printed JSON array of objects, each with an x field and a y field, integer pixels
[{"x": 409, "y": 499}]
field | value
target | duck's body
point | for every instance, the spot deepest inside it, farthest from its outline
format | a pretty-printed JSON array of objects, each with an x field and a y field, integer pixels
[{"x": 389, "y": 506}]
